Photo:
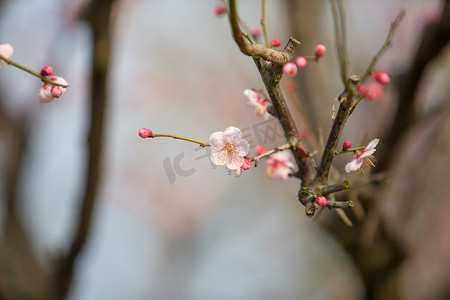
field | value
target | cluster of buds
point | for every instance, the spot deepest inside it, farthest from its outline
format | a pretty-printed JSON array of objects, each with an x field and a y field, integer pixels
[
  {"x": 48, "y": 92},
  {"x": 290, "y": 68}
]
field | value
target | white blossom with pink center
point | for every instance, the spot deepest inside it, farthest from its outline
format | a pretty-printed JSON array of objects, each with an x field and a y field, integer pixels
[
  {"x": 363, "y": 158},
  {"x": 278, "y": 166},
  {"x": 257, "y": 102},
  {"x": 229, "y": 148}
]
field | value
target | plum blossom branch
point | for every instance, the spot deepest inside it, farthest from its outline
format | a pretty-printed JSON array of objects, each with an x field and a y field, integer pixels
[
  {"x": 345, "y": 108},
  {"x": 28, "y": 70},
  {"x": 257, "y": 50},
  {"x": 345, "y": 185},
  {"x": 256, "y": 159}
]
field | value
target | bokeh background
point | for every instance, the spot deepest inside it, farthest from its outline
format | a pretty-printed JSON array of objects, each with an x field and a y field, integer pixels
[{"x": 167, "y": 223}]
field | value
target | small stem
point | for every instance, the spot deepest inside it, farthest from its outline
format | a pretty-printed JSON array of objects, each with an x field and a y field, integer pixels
[
  {"x": 353, "y": 107},
  {"x": 23, "y": 68},
  {"x": 350, "y": 150},
  {"x": 178, "y": 137},
  {"x": 270, "y": 152},
  {"x": 345, "y": 185},
  {"x": 263, "y": 22},
  {"x": 249, "y": 38},
  {"x": 341, "y": 38},
  {"x": 340, "y": 204}
]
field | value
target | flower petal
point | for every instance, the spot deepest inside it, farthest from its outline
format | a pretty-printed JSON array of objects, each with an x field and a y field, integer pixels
[
  {"x": 216, "y": 140},
  {"x": 232, "y": 135},
  {"x": 354, "y": 165},
  {"x": 219, "y": 156},
  {"x": 242, "y": 148},
  {"x": 281, "y": 174},
  {"x": 251, "y": 96},
  {"x": 370, "y": 148},
  {"x": 235, "y": 162}
]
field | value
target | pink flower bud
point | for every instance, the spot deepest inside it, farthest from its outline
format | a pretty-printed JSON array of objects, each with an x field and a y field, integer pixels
[
  {"x": 219, "y": 10},
  {"x": 346, "y": 145},
  {"x": 291, "y": 85},
  {"x": 56, "y": 91},
  {"x": 290, "y": 69},
  {"x": 301, "y": 62},
  {"x": 382, "y": 77},
  {"x": 60, "y": 80},
  {"x": 260, "y": 150},
  {"x": 246, "y": 165},
  {"x": 275, "y": 43},
  {"x": 320, "y": 50},
  {"x": 371, "y": 91},
  {"x": 321, "y": 201},
  {"x": 145, "y": 133},
  {"x": 257, "y": 32},
  {"x": 47, "y": 71}
]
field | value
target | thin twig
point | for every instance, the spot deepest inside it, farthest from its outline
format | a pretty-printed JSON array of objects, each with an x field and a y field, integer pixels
[
  {"x": 386, "y": 45},
  {"x": 264, "y": 23},
  {"x": 256, "y": 159},
  {"x": 34, "y": 73},
  {"x": 341, "y": 38}
]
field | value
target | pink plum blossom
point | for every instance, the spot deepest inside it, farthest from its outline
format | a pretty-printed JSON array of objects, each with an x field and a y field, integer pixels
[
  {"x": 363, "y": 158},
  {"x": 347, "y": 145},
  {"x": 371, "y": 91},
  {"x": 278, "y": 166},
  {"x": 301, "y": 62},
  {"x": 245, "y": 166},
  {"x": 290, "y": 69},
  {"x": 260, "y": 150},
  {"x": 320, "y": 50},
  {"x": 257, "y": 102},
  {"x": 145, "y": 133},
  {"x": 229, "y": 148},
  {"x": 47, "y": 71},
  {"x": 220, "y": 10},
  {"x": 275, "y": 43},
  {"x": 257, "y": 32},
  {"x": 6, "y": 50},
  {"x": 321, "y": 201},
  {"x": 382, "y": 77},
  {"x": 291, "y": 85},
  {"x": 48, "y": 92}
]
